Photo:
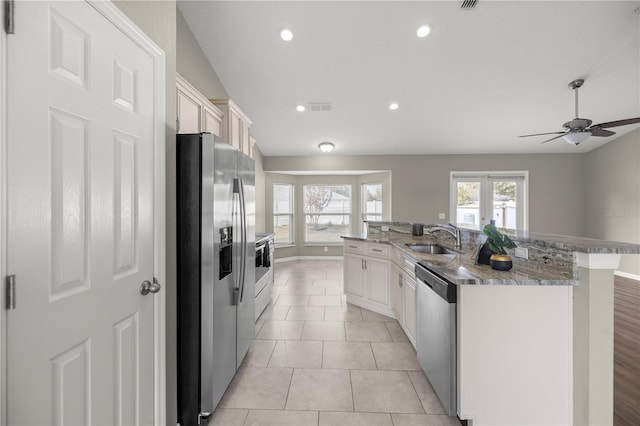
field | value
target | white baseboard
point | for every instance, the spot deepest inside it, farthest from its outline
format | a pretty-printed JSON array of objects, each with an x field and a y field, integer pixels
[
  {"x": 292, "y": 258},
  {"x": 627, "y": 275}
]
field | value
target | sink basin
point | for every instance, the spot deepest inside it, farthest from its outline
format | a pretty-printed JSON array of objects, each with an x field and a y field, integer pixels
[{"x": 430, "y": 248}]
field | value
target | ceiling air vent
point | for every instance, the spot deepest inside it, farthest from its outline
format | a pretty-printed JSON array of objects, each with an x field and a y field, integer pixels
[
  {"x": 320, "y": 106},
  {"x": 468, "y": 4}
]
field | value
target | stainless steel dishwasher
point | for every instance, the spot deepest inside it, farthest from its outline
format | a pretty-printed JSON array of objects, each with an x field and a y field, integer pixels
[{"x": 436, "y": 334}]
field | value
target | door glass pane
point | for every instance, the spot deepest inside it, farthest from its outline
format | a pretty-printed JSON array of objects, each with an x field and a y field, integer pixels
[
  {"x": 468, "y": 204},
  {"x": 504, "y": 204}
]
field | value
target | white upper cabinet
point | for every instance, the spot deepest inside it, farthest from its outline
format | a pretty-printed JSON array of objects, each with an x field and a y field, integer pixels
[
  {"x": 236, "y": 126},
  {"x": 195, "y": 113}
]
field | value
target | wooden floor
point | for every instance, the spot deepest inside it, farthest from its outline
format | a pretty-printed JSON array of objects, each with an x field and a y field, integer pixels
[{"x": 626, "y": 399}]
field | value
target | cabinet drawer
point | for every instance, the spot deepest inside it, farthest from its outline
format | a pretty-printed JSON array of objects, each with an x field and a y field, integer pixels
[
  {"x": 351, "y": 246},
  {"x": 380, "y": 250}
]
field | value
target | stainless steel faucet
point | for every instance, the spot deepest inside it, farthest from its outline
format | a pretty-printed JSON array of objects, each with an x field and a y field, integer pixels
[{"x": 450, "y": 229}]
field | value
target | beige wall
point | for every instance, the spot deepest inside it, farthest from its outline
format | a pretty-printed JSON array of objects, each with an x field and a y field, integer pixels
[
  {"x": 613, "y": 194},
  {"x": 158, "y": 20},
  {"x": 260, "y": 192},
  {"x": 193, "y": 65},
  {"x": 420, "y": 183}
]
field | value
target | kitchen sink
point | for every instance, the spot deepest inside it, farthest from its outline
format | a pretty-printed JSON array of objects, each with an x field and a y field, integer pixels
[{"x": 430, "y": 248}]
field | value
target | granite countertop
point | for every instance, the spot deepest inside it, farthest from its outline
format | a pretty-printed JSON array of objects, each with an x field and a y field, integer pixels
[
  {"x": 261, "y": 236},
  {"x": 460, "y": 268}
]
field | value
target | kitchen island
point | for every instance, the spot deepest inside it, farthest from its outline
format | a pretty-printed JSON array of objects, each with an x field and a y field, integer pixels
[{"x": 534, "y": 344}]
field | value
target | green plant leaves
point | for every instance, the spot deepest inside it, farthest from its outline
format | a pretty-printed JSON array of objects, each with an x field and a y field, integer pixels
[{"x": 497, "y": 241}]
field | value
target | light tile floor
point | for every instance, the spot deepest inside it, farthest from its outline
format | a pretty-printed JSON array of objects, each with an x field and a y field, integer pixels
[{"x": 318, "y": 361}]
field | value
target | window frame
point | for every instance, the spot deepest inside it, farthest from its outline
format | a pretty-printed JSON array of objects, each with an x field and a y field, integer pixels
[
  {"x": 305, "y": 241},
  {"x": 292, "y": 239},
  {"x": 486, "y": 180}
]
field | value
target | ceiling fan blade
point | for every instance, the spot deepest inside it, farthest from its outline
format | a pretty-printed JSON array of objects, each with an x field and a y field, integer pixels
[
  {"x": 549, "y": 140},
  {"x": 601, "y": 132},
  {"x": 541, "y": 134},
  {"x": 618, "y": 123}
]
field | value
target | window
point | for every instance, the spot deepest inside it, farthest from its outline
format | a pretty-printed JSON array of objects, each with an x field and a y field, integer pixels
[
  {"x": 478, "y": 197},
  {"x": 283, "y": 213},
  {"x": 327, "y": 210},
  {"x": 371, "y": 201}
]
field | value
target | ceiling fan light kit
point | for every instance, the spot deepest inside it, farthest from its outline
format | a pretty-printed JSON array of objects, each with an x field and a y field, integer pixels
[
  {"x": 574, "y": 138},
  {"x": 578, "y": 130}
]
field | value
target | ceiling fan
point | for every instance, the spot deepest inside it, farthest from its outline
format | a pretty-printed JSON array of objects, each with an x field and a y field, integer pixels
[{"x": 578, "y": 130}]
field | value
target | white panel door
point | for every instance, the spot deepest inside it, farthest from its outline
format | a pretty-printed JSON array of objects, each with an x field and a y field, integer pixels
[{"x": 80, "y": 219}]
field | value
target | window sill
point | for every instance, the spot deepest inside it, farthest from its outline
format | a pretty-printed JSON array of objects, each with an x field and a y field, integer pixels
[
  {"x": 332, "y": 244},
  {"x": 284, "y": 246}
]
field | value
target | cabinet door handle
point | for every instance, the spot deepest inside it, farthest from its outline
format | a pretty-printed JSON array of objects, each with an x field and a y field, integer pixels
[
  {"x": 400, "y": 280},
  {"x": 378, "y": 250},
  {"x": 365, "y": 264},
  {"x": 353, "y": 247}
]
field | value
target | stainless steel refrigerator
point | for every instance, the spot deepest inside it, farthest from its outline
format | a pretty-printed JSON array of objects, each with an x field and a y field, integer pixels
[{"x": 216, "y": 270}]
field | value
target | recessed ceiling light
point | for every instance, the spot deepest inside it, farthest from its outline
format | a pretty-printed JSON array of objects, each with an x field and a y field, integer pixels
[
  {"x": 301, "y": 108},
  {"x": 423, "y": 31},
  {"x": 393, "y": 106},
  {"x": 326, "y": 146},
  {"x": 286, "y": 34}
]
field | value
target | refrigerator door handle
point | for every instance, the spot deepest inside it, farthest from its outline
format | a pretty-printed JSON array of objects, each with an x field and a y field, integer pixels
[
  {"x": 237, "y": 265},
  {"x": 243, "y": 230}
]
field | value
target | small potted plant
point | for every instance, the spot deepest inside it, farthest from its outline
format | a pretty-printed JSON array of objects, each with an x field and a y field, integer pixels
[{"x": 497, "y": 242}]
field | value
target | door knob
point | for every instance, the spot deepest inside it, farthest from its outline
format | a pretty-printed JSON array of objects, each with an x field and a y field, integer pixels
[{"x": 149, "y": 287}]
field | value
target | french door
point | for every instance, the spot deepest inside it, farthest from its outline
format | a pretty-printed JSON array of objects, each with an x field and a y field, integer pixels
[{"x": 479, "y": 197}]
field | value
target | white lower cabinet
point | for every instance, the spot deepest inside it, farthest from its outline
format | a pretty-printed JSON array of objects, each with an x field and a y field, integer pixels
[
  {"x": 367, "y": 276},
  {"x": 397, "y": 296},
  {"x": 353, "y": 275},
  {"x": 409, "y": 320},
  {"x": 403, "y": 293}
]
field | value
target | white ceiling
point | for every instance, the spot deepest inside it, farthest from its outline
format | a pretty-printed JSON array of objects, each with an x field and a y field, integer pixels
[{"x": 483, "y": 76}]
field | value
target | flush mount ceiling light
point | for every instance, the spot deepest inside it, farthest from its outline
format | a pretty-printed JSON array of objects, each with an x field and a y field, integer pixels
[
  {"x": 394, "y": 106},
  {"x": 301, "y": 108},
  {"x": 326, "y": 146},
  {"x": 575, "y": 138},
  {"x": 423, "y": 31},
  {"x": 286, "y": 34}
]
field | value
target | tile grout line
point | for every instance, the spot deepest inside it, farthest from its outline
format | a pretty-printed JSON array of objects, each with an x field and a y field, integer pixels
[
  {"x": 293, "y": 370},
  {"x": 416, "y": 391},
  {"x": 353, "y": 400},
  {"x": 271, "y": 353},
  {"x": 374, "y": 356},
  {"x": 246, "y": 417}
]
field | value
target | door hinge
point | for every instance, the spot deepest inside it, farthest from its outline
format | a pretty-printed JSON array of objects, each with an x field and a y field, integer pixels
[
  {"x": 10, "y": 294},
  {"x": 8, "y": 16}
]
